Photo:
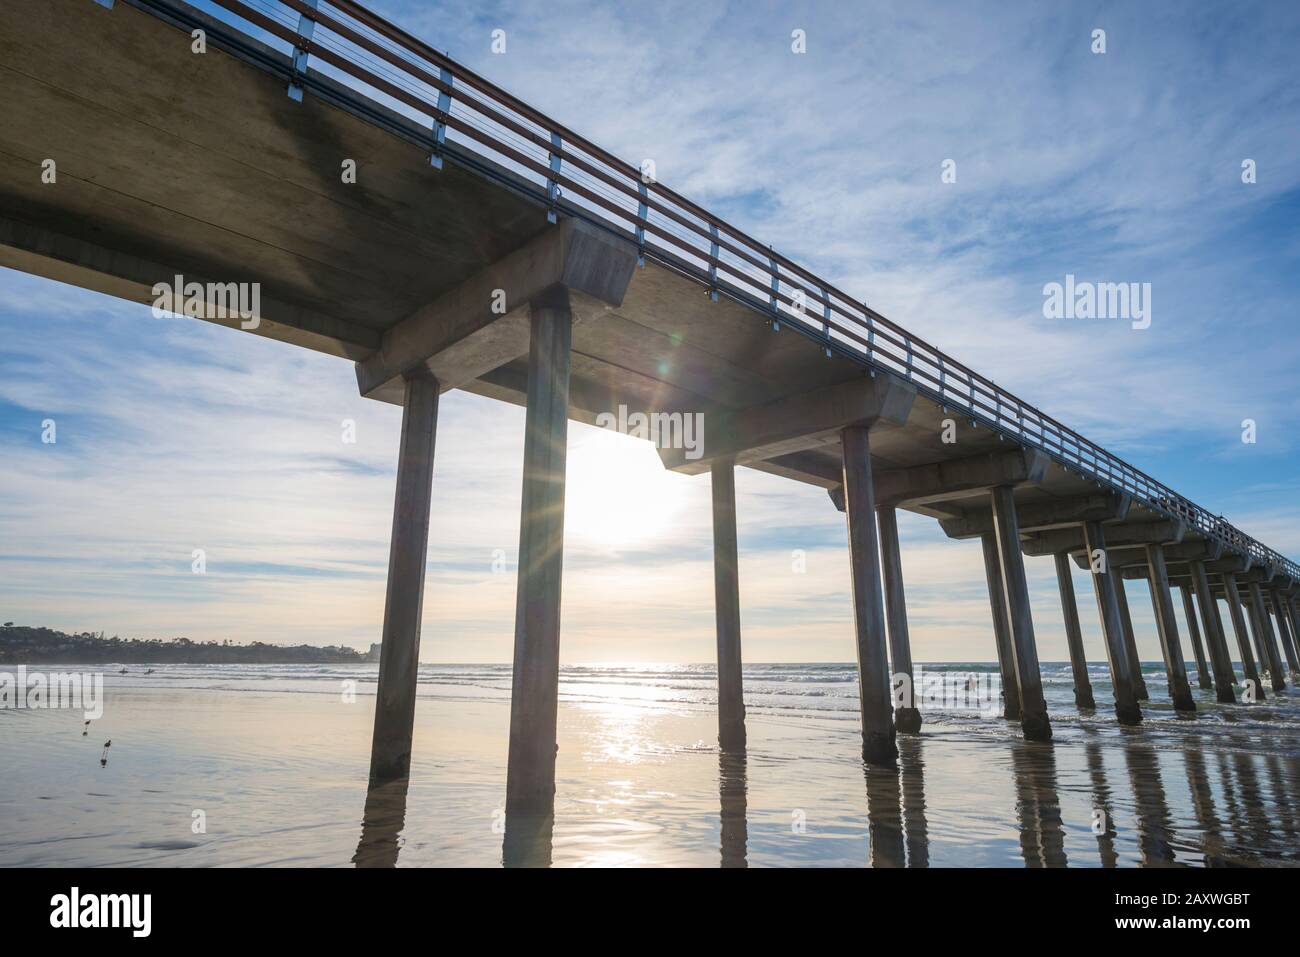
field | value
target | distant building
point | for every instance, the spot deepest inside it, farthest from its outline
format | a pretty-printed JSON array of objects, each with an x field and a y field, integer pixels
[{"x": 373, "y": 654}]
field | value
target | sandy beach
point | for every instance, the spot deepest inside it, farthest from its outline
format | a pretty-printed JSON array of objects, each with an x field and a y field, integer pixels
[{"x": 271, "y": 761}]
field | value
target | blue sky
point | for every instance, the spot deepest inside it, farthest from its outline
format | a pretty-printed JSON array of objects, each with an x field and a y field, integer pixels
[{"x": 1123, "y": 166}]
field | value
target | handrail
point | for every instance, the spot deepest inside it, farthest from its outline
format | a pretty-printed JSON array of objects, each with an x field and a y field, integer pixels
[{"x": 570, "y": 173}]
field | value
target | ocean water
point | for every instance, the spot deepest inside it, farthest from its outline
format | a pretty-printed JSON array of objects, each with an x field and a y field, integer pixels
[{"x": 264, "y": 765}]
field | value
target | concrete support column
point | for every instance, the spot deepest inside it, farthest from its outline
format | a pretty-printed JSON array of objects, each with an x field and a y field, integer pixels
[
  {"x": 878, "y": 744},
  {"x": 1001, "y": 630},
  {"x": 1073, "y": 633},
  {"x": 1220, "y": 660},
  {"x": 1130, "y": 641},
  {"x": 530, "y": 772},
  {"x": 1112, "y": 627},
  {"x": 1015, "y": 589},
  {"x": 399, "y": 653},
  {"x": 1180, "y": 691},
  {"x": 1264, "y": 636},
  {"x": 1292, "y": 605},
  {"x": 1189, "y": 612},
  {"x": 726, "y": 598},
  {"x": 1285, "y": 630},
  {"x": 1233, "y": 594},
  {"x": 907, "y": 718}
]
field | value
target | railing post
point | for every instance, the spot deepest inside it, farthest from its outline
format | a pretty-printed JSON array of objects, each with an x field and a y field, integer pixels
[
  {"x": 552, "y": 184},
  {"x": 714, "y": 250},
  {"x": 643, "y": 215},
  {"x": 306, "y": 29},
  {"x": 439, "y": 127}
]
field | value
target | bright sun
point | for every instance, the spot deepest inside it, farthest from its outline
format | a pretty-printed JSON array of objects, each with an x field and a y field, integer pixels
[{"x": 618, "y": 492}]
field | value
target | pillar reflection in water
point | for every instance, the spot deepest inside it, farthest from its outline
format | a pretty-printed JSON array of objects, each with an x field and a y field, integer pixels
[
  {"x": 1207, "y": 818},
  {"x": 1155, "y": 828},
  {"x": 733, "y": 801},
  {"x": 1103, "y": 813},
  {"x": 382, "y": 823},
  {"x": 1038, "y": 805},
  {"x": 896, "y": 823}
]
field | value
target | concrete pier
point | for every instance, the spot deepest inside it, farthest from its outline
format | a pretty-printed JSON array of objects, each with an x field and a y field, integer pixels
[
  {"x": 1073, "y": 634},
  {"x": 1180, "y": 691},
  {"x": 1001, "y": 629},
  {"x": 1265, "y": 636},
  {"x": 878, "y": 744},
  {"x": 1189, "y": 612},
  {"x": 1112, "y": 627},
  {"x": 1130, "y": 641},
  {"x": 399, "y": 655},
  {"x": 1015, "y": 589},
  {"x": 907, "y": 717},
  {"x": 1220, "y": 660},
  {"x": 1233, "y": 594},
  {"x": 530, "y": 773},
  {"x": 726, "y": 597}
]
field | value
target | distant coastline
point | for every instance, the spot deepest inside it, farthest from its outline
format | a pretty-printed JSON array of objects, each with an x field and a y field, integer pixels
[{"x": 23, "y": 645}]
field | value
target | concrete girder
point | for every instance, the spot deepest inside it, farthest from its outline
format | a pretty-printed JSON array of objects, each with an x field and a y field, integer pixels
[{"x": 113, "y": 272}]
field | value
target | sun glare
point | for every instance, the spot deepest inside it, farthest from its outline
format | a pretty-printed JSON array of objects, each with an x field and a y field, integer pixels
[{"x": 618, "y": 492}]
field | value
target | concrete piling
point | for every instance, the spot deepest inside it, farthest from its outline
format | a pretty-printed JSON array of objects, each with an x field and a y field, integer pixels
[
  {"x": 1130, "y": 641},
  {"x": 1285, "y": 631},
  {"x": 399, "y": 655},
  {"x": 1220, "y": 660},
  {"x": 1001, "y": 630},
  {"x": 726, "y": 591},
  {"x": 530, "y": 773},
  {"x": 1180, "y": 691},
  {"x": 1264, "y": 636},
  {"x": 1073, "y": 633},
  {"x": 1103, "y": 583},
  {"x": 907, "y": 717},
  {"x": 878, "y": 743},
  {"x": 1015, "y": 589},
  {"x": 1233, "y": 593},
  {"x": 1189, "y": 612}
]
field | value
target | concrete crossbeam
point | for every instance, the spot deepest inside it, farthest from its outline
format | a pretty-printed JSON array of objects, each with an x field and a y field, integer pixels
[
  {"x": 483, "y": 323},
  {"x": 795, "y": 423},
  {"x": 1120, "y": 536},
  {"x": 1040, "y": 517}
]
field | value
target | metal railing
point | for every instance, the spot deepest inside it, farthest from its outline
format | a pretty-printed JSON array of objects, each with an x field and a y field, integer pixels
[{"x": 469, "y": 120}]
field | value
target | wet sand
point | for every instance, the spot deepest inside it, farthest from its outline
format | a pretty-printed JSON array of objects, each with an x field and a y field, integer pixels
[{"x": 279, "y": 777}]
